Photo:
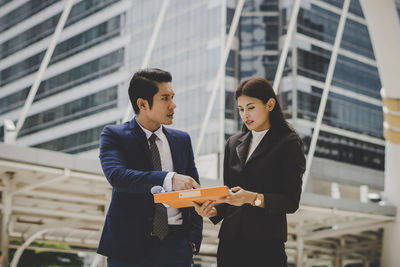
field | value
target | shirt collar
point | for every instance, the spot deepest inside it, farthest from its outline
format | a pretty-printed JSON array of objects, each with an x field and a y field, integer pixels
[
  {"x": 259, "y": 134},
  {"x": 148, "y": 133}
]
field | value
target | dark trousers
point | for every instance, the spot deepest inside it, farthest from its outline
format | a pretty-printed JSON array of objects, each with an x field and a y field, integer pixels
[
  {"x": 173, "y": 251},
  {"x": 251, "y": 253}
]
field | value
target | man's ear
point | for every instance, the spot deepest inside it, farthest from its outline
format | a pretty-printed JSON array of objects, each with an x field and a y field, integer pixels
[
  {"x": 142, "y": 103},
  {"x": 271, "y": 104}
]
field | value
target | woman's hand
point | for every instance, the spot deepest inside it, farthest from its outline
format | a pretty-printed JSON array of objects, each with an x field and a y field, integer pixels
[
  {"x": 240, "y": 197},
  {"x": 206, "y": 210}
]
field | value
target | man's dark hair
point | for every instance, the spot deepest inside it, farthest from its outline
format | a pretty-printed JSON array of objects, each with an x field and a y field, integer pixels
[{"x": 143, "y": 85}]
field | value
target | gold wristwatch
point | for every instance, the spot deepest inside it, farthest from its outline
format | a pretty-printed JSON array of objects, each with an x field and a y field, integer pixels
[{"x": 257, "y": 201}]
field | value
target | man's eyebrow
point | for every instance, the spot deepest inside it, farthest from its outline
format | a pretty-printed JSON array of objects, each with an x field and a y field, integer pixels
[{"x": 167, "y": 94}]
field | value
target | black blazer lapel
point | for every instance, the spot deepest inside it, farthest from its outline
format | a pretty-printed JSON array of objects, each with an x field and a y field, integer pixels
[
  {"x": 242, "y": 147},
  {"x": 140, "y": 138},
  {"x": 266, "y": 145}
]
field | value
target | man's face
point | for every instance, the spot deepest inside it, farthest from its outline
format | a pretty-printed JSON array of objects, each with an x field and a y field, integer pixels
[{"x": 162, "y": 111}]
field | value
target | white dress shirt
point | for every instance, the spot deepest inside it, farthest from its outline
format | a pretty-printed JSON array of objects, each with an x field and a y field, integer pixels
[
  {"x": 174, "y": 215},
  {"x": 255, "y": 141}
]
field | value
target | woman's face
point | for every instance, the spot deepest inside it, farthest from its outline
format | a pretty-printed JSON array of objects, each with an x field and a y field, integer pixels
[{"x": 254, "y": 113}]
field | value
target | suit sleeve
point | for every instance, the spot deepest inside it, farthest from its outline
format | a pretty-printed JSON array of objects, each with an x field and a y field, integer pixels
[
  {"x": 292, "y": 169},
  {"x": 122, "y": 178},
  {"x": 222, "y": 208},
  {"x": 197, "y": 221}
]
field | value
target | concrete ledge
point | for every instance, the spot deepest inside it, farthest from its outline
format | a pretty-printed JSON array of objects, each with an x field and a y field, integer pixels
[
  {"x": 334, "y": 171},
  {"x": 48, "y": 158},
  {"x": 346, "y": 204}
]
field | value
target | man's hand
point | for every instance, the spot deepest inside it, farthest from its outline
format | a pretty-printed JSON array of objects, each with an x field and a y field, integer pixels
[
  {"x": 206, "y": 210},
  {"x": 239, "y": 197},
  {"x": 183, "y": 182}
]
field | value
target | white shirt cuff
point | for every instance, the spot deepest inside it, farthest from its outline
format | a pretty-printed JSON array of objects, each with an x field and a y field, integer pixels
[{"x": 167, "y": 185}]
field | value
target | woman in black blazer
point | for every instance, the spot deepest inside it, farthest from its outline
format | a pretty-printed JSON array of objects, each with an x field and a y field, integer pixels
[{"x": 263, "y": 166}]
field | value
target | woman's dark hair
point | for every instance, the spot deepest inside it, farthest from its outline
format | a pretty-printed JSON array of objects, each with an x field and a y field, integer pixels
[
  {"x": 260, "y": 88},
  {"x": 143, "y": 85}
]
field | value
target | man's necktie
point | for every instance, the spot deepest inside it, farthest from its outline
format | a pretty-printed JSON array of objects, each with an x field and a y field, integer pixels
[{"x": 160, "y": 221}]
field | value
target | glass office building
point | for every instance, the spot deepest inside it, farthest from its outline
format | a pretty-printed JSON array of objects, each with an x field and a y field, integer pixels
[
  {"x": 353, "y": 115},
  {"x": 79, "y": 90},
  {"x": 351, "y": 131},
  {"x": 104, "y": 42}
]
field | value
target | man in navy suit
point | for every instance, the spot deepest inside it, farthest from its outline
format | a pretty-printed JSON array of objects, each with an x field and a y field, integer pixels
[{"x": 137, "y": 157}]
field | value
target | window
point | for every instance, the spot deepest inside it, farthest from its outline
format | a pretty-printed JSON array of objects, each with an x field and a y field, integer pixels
[
  {"x": 348, "y": 150},
  {"x": 342, "y": 112},
  {"x": 69, "y": 79},
  {"x": 74, "y": 45},
  {"x": 75, "y": 143},
  {"x": 47, "y": 27},
  {"x": 74, "y": 110},
  {"x": 22, "y": 12}
]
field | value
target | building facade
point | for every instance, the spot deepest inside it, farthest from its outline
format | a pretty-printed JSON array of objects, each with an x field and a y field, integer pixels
[
  {"x": 104, "y": 42},
  {"x": 78, "y": 94},
  {"x": 351, "y": 131}
]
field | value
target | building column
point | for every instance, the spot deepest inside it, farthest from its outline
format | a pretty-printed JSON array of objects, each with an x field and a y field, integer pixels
[
  {"x": 6, "y": 216},
  {"x": 384, "y": 29},
  {"x": 300, "y": 245},
  {"x": 391, "y": 235}
]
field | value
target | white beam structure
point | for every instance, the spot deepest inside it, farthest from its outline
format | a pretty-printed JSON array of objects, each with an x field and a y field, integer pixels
[
  {"x": 10, "y": 134},
  {"x": 6, "y": 215},
  {"x": 220, "y": 74},
  {"x": 299, "y": 245},
  {"x": 222, "y": 99},
  {"x": 325, "y": 93},
  {"x": 21, "y": 248},
  {"x": 286, "y": 44},
  {"x": 35, "y": 232},
  {"x": 384, "y": 29},
  {"x": 97, "y": 259},
  {"x": 44, "y": 64},
  {"x": 82, "y": 199},
  {"x": 149, "y": 50},
  {"x": 67, "y": 174},
  {"x": 39, "y": 187}
]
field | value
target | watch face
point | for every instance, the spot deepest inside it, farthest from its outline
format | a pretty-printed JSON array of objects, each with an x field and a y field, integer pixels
[{"x": 257, "y": 202}]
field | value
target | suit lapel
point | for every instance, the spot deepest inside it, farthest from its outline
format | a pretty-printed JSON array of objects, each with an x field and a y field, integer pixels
[
  {"x": 172, "y": 146},
  {"x": 262, "y": 147},
  {"x": 265, "y": 146},
  {"x": 140, "y": 138},
  {"x": 242, "y": 147}
]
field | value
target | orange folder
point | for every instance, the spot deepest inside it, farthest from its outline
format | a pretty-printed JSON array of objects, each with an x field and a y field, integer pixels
[{"x": 184, "y": 198}]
